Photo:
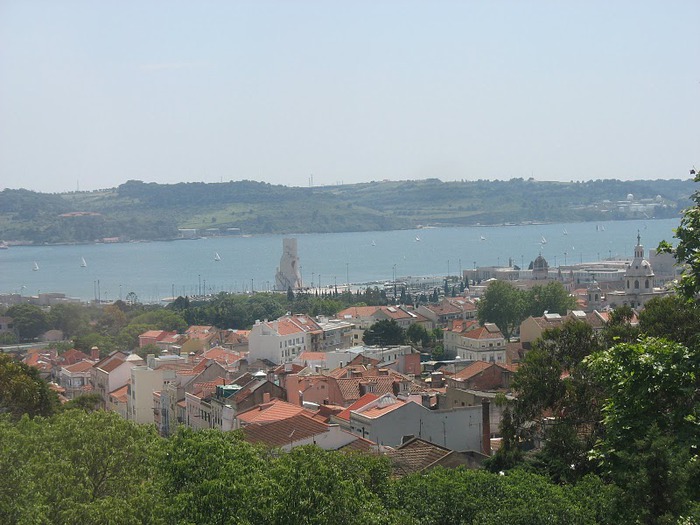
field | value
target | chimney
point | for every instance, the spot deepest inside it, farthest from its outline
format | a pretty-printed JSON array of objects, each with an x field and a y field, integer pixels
[
  {"x": 485, "y": 427},
  {"x": 95, "y": 353},
  {"x": 266, "y": 397}
]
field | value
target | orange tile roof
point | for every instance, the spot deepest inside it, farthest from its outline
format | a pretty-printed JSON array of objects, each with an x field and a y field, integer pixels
[
  {"x": 120, "y": 394},
  {"x": 275, "y": 410},
  {"x": 286, "y": 431},
  {"x": 394, "y": 312},
  {"x": 72, "y": 356},
  {"x": 311, "y": 356},
  {"x": 81, "y": 366},
  {"x": 39, "y": 361},
  {"x": 357, "y": 311},
  {"x": 472, "y": 370},
  {"x": 482, "y": 333},
  {"x": 367, "y": 398},
  {"x": 151, "y": 333},
  {"x": 111, "y": 362},
  {"x": 381, "y": 409}
]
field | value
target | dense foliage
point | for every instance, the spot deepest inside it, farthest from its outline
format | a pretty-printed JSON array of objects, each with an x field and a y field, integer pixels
[
  {"x": 506, "y": 306},
  {"x": 623, "y": 404},
  {"x": 95, "y": 468},
  {"x": 138, "y": 210}
]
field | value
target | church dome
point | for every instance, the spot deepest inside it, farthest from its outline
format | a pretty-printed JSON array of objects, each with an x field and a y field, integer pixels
[
  {"x": 540, "y": 263},
  {"x": 640, "y": 268},
  {"x": 540, "y": 268}
]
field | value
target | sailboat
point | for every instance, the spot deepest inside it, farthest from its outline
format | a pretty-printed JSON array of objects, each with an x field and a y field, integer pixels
[
  {"x": 83, "y": 264},
  {"x": 482, "y": 238},
  {"x": 417, "y": 239},
  {"x": 36, "y": 266},
  {"x": 543, "y": 240},
  {"x": 217, "y": 257},
  {"x": 565, "y": 232},
  {"x": 374, "y": 243}
]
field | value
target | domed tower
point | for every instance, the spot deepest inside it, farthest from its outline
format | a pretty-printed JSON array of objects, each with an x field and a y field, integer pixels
[
  {"x": 540, "y": 269},
  {"x": 595, "y": 296},
  {"x": 639, "y": 277}
]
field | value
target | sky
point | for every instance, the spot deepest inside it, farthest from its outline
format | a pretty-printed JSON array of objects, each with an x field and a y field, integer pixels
[{"x": 93, "y": 94}]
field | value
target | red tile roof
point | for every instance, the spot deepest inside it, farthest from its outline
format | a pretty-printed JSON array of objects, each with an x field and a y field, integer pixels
[
  {"x": 367, "y": 398},
  {"x": 275, "y": 410},
  {"x": 82, "y": 366},
  {"x": 284, "y": 432},
  {"x": 72, "y": 356},
  {"x": 355, "y": 312},
  {"x": 311, "y": 356},
  {"x": 482, "y": 333},
  {"x": 382, "y": 407},
  {"x": 121, "y": 394},
  {"x": 472, "y": 370}
]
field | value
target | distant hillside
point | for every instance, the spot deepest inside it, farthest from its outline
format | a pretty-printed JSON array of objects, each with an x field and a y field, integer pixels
[{"x": 148, "y": 211}]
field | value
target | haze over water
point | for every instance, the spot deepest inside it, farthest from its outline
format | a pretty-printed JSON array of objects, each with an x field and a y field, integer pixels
[{"x": 155, "y": 270}]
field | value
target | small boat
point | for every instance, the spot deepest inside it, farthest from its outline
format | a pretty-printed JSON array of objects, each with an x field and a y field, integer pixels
[
  {"x": 36, "y": 267},
  {"x": 83, "y": 264},
  {"x": 4, "y": 246},
  {"x": 374, "y": 243},
  {"x": 565, "y": 232},
  {"x": 417, "y": 239},
  {"x": 482, "y": 238},
  {"x": 543, "y": 240},
  {"x": 217, "y": 257}
]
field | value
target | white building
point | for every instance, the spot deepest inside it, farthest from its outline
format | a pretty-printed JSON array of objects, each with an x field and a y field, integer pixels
[
  {"x": 388, "y": 420},
  {"x": 282, "y": 340},
  {"x": 484, "y": 343}
]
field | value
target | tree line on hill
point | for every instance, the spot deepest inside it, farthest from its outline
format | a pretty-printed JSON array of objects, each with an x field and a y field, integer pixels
[{"x": 149, "y": 211}]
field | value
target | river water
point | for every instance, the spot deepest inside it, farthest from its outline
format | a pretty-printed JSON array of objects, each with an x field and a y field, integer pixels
[{"x": 155, "y": 270}]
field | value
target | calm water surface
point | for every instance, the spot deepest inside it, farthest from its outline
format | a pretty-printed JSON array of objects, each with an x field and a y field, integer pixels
[{"x": 155, "y": 270}]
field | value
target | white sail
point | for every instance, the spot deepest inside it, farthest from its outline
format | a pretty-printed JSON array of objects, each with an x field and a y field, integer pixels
[
  {"x": 36, "y": 266},
  {"x": 217, "y": 257},
  {"x": 83, "y": 264}
]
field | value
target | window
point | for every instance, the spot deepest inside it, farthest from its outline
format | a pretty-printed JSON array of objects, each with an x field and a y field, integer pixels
[{"x": 636, "y": 284}]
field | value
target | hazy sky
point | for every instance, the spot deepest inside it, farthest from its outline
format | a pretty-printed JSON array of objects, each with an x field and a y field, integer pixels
[{"x": 93, "y": 93}]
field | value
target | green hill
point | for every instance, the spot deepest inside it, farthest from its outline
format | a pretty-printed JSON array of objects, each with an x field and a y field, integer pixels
[{"x": 148, "y": 211}]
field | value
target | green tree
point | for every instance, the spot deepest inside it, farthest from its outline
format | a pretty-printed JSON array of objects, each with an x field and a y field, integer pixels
[
  {"x": 128, "y": 338},
  {"x": 111, "y": 320},
  {"x": 162, "y": 319},
  {"x": 651, "y": 413},
  {"x": 212, "y": 477},
  {"x": 502, "y": 304},
  {"x": 29, "y": 320},
  {"x": 687, "y": 250},
  {"x": 672, "y": 318},
  {"x": 96, "y": 470},
  {"x": 385, "y": 332},
  {"x": 619, "y": 328},
  {"x": 71, "y": 319},
  {"x": 86, "y": 402},
  {"x": 553, "y": 380},
  {"x": 552, "y": 298},
  {"x": 22, "y": 391},
  {"x": 8, "y": 338},
  {"x": 417, "y": 333}
]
